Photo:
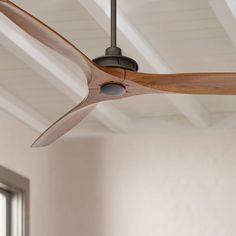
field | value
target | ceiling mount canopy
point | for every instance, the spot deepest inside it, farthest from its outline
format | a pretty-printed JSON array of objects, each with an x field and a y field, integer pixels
[
  {"x": 112, "y": 76},
  {"x": 113, "y": 54}
]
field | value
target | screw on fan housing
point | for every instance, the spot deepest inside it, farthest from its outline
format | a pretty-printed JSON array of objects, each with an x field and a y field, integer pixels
[{"x": 113, "y": 56}]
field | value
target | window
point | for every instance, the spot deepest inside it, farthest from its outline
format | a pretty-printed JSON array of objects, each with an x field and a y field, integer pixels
[
  {"x": 14, "y": 204},
  {"x": 3, "y": 214}
]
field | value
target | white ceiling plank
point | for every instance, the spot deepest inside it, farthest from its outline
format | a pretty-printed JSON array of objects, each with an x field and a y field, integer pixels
[
  {"x": 225, "y": 10},
  {"x": 55, "y": 72},
  {"x": 135, "y": 44},
  {"x": 227, "y": 123},
  {"x": 22, "y": 111},
  {"x": 192, "y": 109}
]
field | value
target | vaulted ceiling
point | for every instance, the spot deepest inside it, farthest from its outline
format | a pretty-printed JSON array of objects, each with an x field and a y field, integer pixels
[{"x": 37, "y": 86}]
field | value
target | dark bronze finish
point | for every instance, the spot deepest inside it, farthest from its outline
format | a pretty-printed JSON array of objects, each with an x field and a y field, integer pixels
[
  {"x": 113, "y": 89},
  {"x": 113, "y": 23},
  {"x": 117, "y": 62},
  {"x": 113, "y": 55}
]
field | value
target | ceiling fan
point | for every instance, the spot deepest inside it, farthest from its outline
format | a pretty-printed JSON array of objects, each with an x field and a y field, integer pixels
[{"x": 112, "y": 76}]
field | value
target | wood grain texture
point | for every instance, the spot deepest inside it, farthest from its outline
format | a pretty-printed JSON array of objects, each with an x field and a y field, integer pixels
[
  {"x": 64, "y": 124},
  {"x": 187, "y": 83},
  {"x": 77, "y": 114},
  {"x": 138, "y": 84}
]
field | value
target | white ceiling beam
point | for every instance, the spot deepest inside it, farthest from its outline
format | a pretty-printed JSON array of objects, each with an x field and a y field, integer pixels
[
  {"x": 40, "y": 60},
  {"x": 225, "y": 10},
  {"x": 135, "y": 45},
  {"x": 54, "y": 71},
  {"x": 22, "y": 111}
]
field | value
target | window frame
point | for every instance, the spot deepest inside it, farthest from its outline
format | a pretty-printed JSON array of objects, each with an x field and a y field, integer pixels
[{"x": 17, "y": 190}]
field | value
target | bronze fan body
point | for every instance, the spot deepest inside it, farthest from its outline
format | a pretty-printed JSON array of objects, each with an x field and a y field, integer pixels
[{"x": 112, "y": 76}]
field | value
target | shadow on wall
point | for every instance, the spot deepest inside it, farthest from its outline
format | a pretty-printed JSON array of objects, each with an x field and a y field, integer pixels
[{"x": 74, "y": 188}]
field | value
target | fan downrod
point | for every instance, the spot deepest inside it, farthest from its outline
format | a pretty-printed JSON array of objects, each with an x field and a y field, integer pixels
[{"x": 113, "y": 55}]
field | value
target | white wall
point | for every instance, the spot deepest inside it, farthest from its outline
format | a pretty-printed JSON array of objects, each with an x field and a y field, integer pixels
[
  {"x": 15, "y": 154},
  {"x": 177, "y": 183}
]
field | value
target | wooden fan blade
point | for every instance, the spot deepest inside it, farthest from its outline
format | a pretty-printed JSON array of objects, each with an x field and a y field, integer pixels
[
  {"x": 187, "y": 83},
  {"x": 46, "y": 35},
  {"x": 72, "y": 118},
  {"x": 65, "y": 123}
]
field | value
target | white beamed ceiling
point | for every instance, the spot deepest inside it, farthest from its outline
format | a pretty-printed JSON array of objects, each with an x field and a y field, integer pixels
[{"x": 186, "y": 34}]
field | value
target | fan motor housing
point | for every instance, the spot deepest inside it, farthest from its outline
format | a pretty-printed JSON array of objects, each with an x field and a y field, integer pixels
[
  {"x": 113, "y": 89},
  {"x": 114, "y": 58}
]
